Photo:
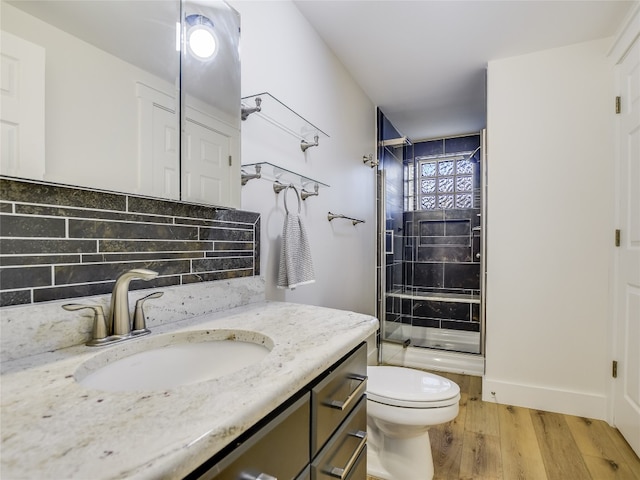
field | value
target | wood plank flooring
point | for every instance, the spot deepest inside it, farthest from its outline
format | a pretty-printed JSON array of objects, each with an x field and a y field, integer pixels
[{"x": 488, "y": 441}]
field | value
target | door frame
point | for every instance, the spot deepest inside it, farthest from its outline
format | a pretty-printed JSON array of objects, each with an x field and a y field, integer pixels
[{"x": 628, "y": 33}]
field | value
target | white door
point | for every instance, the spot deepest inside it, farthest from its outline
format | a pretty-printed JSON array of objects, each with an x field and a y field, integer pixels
[
  {"x": 166, "y": 166},
  {"x": 158, "y": 153},
  {"x": 22, "y": 108},
  {"x": 208, "y": 157},
  {"x": 627, "y": 282}
]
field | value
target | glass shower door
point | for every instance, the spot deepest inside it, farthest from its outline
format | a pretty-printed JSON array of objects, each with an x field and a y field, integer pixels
[
  {"x": 431, "y": 261},
  {"x": 392, "y": 195}
]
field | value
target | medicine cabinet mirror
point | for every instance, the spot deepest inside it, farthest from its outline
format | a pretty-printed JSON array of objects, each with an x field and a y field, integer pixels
[{"x": 121, "y": 96}]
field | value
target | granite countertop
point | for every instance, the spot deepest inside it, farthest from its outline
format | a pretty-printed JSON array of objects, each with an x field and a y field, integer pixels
[{"x": 52, "y": 427}]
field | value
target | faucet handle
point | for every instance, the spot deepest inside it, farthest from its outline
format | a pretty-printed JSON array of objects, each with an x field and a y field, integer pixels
[
  {"x": 139, "y": 321},
  {"x": 99, "y": 322}
]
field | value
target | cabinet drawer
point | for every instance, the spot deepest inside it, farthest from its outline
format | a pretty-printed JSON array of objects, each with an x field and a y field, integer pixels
[
  {"x": 359, "y": 470},
  {"x": 341, "y": 457},
  {"x": 335, "y": 396},
  {"x": 280, "y": 449}
]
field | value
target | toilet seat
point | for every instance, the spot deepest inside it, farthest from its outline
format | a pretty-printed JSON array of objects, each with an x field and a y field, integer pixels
[{"x": 410, "y": 388}]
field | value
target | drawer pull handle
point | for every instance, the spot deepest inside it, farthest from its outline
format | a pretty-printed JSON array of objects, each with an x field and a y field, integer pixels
[
  {"x": 342, "y": 473},
  {"x": 354, "y": 395},
  {"x": 262, "y": 476}
]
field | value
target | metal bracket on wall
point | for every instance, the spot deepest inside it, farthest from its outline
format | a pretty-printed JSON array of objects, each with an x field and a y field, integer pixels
[{"x": 369, "y": 159}]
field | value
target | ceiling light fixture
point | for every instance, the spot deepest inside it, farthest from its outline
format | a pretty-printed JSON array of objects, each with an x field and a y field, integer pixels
[{"x": 201, "y": 40}]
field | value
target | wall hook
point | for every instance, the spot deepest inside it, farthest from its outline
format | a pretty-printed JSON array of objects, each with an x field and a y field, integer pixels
[
  {"x": 304, "y": 144},
  {"x": 278, "y": 187}
]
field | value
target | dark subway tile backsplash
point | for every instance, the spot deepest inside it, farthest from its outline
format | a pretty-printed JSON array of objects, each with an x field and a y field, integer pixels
[
  {"x": 15, "y": 297},
  {"x": 24, "y": 277},
  {"x": 103, "y": 229},
  {"x": 226, "y": 234},
  {"x": 60, "y": 242},
  {"x": 28, "y": 226},
  {"x": 84, "y": 213},
  {"x": 12, "y": 190},
  {"x": 153, "y": 246},
  {"x": 9, "y": 246}
]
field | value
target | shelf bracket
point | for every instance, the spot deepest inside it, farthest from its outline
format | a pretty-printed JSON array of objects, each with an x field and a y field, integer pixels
[
  {"x": 369, "y": 159},
  {"x": 304, "y": 144},
  {"x": 246, "y": 111},
  {"x": 245, "y": 177}
]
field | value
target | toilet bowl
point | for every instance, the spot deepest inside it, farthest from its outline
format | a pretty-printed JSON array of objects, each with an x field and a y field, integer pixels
[{"x": 402, "y": 403}]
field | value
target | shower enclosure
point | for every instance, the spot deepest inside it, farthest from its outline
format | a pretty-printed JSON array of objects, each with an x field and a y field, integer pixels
[{"x": 431, "y": 251}]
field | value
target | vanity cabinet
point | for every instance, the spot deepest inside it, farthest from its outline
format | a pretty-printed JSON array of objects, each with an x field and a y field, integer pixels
[
  {"x": 335, "y": 395},
  {"x": 318, "y": 434},
  {"x": 279, "y": 449},
  {"x": 344, "y": 454}
]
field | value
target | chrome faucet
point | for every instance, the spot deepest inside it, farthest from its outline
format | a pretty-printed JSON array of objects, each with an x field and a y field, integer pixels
[
  {"x": 119, "y": 326},
  {"x": 119, "y": 316}
]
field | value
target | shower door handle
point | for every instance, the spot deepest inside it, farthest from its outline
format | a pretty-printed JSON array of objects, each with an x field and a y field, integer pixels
[{"x": 388, "y": 234}]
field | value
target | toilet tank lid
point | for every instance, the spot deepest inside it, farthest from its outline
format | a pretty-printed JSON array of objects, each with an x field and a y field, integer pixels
[{"x": 409, "y": 385}]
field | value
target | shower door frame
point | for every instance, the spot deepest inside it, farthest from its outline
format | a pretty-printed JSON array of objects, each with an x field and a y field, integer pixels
[{"x": 381, "y": 233}]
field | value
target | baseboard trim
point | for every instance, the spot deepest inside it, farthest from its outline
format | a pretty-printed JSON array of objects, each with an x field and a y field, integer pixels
[{"x": 537, "y": 397}]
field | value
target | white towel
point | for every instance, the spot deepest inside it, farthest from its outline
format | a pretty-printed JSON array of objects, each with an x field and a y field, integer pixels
[{"x": 296, "y": 264}]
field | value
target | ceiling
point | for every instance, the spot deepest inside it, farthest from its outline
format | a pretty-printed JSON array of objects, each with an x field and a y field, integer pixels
[{"x": 423, "y": 62}]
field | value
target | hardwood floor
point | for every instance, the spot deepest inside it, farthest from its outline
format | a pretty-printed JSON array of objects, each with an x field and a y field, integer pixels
[{"x": 488, "y": 441}]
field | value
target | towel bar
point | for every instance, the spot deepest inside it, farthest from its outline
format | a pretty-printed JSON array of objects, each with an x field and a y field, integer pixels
[{"x": 331, "y": 216}]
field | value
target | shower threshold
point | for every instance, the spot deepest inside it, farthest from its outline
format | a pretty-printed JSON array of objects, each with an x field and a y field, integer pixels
[
  {"x": 436, "y": 338},
  {"x": 432, "y": 359}
]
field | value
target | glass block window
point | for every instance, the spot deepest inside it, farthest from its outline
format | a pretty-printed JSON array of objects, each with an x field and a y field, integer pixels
[
  {"x": 409, "y": 190},
  {"x": 444, "y": 183}
]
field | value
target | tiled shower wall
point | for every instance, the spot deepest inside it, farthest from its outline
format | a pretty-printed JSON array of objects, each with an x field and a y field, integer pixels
[
  {"x": 61, "y": 242},
  {"x": 441, "y": 259},
  {"x": 441, "y": 251}
]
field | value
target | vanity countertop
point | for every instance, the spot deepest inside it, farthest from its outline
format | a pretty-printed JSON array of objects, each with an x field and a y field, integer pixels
[{"x": 52, "y": 427}]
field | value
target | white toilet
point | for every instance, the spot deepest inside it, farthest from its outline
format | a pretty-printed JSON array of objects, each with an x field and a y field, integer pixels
[{"x": 402, "y": 403}]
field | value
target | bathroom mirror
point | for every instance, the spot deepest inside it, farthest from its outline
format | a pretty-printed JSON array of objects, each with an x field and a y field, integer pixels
[{"x": 119, "y": 95}]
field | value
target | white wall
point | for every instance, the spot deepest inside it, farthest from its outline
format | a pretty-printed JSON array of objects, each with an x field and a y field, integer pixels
[
  {"x": 550, "y": 229},
  {"x": 282, "y": 54}
]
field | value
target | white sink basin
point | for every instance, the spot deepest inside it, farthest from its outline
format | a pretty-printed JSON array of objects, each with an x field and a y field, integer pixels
[{"x": 172, "y": 360}]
